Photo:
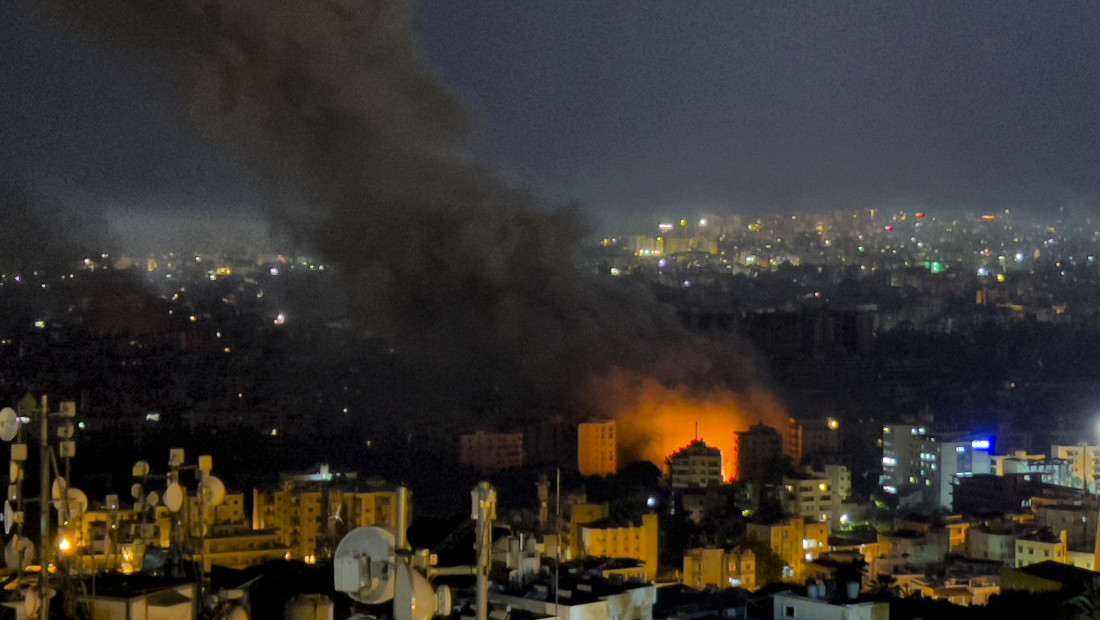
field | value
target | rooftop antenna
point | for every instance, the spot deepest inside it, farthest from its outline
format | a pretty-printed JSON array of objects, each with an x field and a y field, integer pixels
[
  {"x": 52, "y": 492},
  {"x": 697, "y": 430},
  {"x": 371, "y": 567}
]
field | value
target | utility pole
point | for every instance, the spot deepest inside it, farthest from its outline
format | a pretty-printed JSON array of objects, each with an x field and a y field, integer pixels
[{"x": 44, "y": 510}]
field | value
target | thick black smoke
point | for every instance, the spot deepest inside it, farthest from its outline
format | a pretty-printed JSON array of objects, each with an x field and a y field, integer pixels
[
  {"x": 333, "y": 99},
  {"x": 36, "y": 230}
]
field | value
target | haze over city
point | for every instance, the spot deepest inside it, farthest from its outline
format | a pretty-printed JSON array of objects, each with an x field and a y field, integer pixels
[{"x": 781, "y": 295}]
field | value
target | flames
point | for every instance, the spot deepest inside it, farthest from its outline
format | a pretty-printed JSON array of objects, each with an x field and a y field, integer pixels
[{"x": 654, "y": 421}]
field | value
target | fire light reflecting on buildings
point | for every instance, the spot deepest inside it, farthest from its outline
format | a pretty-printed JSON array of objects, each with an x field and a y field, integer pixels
[{"x": 664, "y": 420}]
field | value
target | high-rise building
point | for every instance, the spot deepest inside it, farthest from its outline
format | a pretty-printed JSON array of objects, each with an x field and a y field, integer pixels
[
  {"x": 697, "y": 465},
  {"x": 820, "y": 439},
  {"x": 597, "y": 448},
  {"x": 923, "y": 467},
  {"x": 901, "y": 461},
  {"x": 945, "y": 458},
  {"x": 760, "y": 454}
]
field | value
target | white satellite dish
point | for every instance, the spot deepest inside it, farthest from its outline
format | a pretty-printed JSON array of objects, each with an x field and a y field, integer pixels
[
  {"x": 32, "y": 599},
  {"x": 153, "y": 498},
  {"x": 414, "y": 598},
  {"x": 137, "y": 491},
  {"x": 173, "y": 497},
  {"x": 30, "y": 602},
  {"x": 9, "y": 424},
  {"x": 9, "y": 517},
  {"x": 141, "y": 469},
  {"x": 444, "y": 600},
  {"x": 72, "y": 499},
  {"x": 74, "y": 504},
  {"x": 213, "y": 490},
  {"x": 15, "y": 472},
  {"x": 364, "y": 567},
  {"x": 18, "y": 553},
  {"x": 58, "y": 491}
]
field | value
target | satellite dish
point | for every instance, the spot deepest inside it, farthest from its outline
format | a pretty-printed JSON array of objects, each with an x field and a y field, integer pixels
[
  {"x": 18, "y": 553},
  {"x": 9, "y": 517},
  {"x": 414, "y": 598},
  {"x": 444, "y": 600},
  {"x": 137, "y": 491},
  {"x": 15, "y": 472},
  {"x": 173, "y": 497},
  {"x": 364, "y": 567},
  {"x": 213, "y": 490},
  {"x": 78, "y": 502},
  {"x": 9, "y": 424},
  {"x": 30, "y": 602},
  {"x": 141, "y": 469},
  {"x": 153, "y": 498},
  {"x": 32, "y": 599},
  {"x": 74, "y": 503},
  {"x": 58, "y": 491}
]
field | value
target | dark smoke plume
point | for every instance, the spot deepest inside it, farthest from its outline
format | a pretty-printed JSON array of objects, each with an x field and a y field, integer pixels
[
  {"x": 36, "y": 230},
  {"x": 334, "y": 99}
]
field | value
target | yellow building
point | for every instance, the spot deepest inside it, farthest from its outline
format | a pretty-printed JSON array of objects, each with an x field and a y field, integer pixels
[
  {"x": 794, "y": 540},
  {"x": 597, "y": 448},
  {"x": 1042, "y": 546},
  {"x": 117, "y": 538},
  {"x": 310, "y": 521},
  {"x": 1085, "y": 463},
  {"x": 637, "y": 542},
  {"x": 239, "y": 547},
  {"x": 229, "y": 512},
  {"x": 719, "y": 568},
  {"x": 576, "y": 513}
]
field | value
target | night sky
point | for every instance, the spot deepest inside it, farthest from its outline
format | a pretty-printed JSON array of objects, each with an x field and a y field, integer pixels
[{"x": 638, "y": 108}]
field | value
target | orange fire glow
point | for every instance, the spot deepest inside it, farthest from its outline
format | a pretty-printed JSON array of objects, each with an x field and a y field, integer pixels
[{"x": 656, "y": 421}]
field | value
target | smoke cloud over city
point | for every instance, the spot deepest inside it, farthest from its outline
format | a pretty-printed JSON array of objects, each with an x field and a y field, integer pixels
[{"x": 333, "y": 101}]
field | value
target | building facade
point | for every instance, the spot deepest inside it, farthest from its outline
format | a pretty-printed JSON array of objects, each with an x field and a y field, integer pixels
[
  {"x": 695, "y": 466},
  {"x": 759, "y": 454},
  {"x": 490, "y": 452},
  {"x": 794, "y": 540},
  {"x": 719, "y": 568},
  {"x": 597, "y": 448},
  {"x": 811, "y": 496},
  {"x": 1084, "y": 460},
  {"x": 633, "y": 541},
  {"x": 310, "y": 521}
]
